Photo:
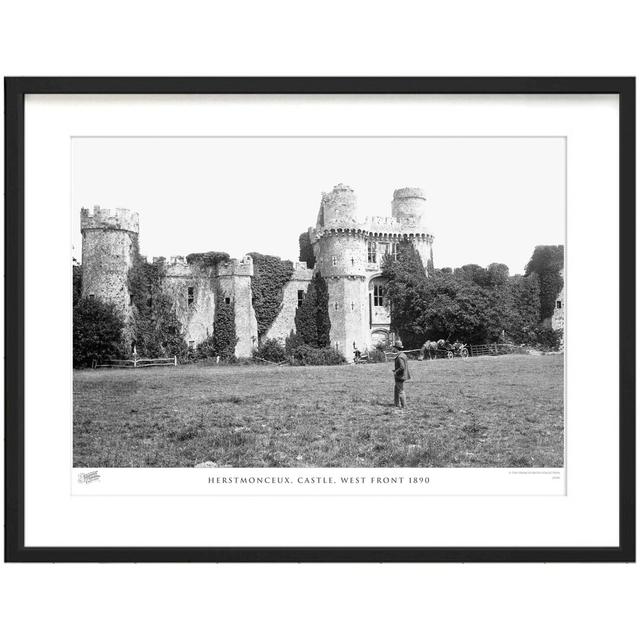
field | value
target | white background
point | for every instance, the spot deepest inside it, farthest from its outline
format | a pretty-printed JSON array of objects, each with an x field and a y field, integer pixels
[
  {"x": 331, "y": 38},
  {"x": 587, "y": 516}
]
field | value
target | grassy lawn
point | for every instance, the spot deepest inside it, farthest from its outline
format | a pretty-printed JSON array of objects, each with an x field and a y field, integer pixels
[{"x": 505, "y": 411}]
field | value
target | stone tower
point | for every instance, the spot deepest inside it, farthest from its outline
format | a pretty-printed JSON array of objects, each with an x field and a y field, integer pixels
[
  {"x": 341, "y": 252},
  {"x": 409, "y": 207},
  {"x": 234, "y": 286},
  {"x": 109, "y": 247},
  {"x": 350, "y": 251}
]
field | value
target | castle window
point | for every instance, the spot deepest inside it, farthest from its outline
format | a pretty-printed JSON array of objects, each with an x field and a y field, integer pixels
[
  {"x": 378, "y": 296},
  {"x": 335, "y": 306},
  {"x": 558, "y": 304},
  {"x": 227, "y": 300},
  {"x": 130, "y": 299},
  {"x": 300, "y": 297},
  {"x": 353, "y": 306},
  {"x": 91, "y": 296},
  {"x": 371, "y": 251},
  {"x": 334, "y": 261},
  {"x": 189, "y": 296},
  {"x": 192, "y": 344},
  {"x": 352, "y": 261}
]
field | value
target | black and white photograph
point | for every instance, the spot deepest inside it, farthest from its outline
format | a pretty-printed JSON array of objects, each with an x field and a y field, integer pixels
[
  {"x": 318, "y": 302},
  {"x": 367, "y": 317}
]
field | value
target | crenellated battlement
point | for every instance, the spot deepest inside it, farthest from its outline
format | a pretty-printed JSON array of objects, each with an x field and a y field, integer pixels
[
  {"x": 115, "y": 219},
  {"x": 338, "y": 214},
  {"x": 235, "y": 267}
]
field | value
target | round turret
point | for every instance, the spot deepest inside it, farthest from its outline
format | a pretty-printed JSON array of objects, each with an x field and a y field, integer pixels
[
  {"x": 338, "y": 208},
  {"x": 109, "y": 248},
  {"x": 409, "y": 205},
  {"x": 342, "y": 254}
]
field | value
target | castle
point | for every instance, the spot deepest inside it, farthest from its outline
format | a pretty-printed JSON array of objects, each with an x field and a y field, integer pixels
[{"x": 348, "y": 251}]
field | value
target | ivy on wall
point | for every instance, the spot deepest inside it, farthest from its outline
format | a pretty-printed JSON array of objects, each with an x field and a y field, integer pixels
[
  {"x": 207, "y": 259},
  {"x": 270, "y": 274},
  {"x": 155, "y": 326}
]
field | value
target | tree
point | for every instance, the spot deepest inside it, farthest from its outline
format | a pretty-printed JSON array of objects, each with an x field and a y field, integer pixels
[
  {"x": 497, "y": 275},
  {"x": 225, "y": 337},
  {"x": 306, "y": 250},
  {"x": 547, "y": 261},
  {"x": 312, "y": 317},
  {"x": 472, "y": 304},
  {"x": 473, "y": 273},
  {"x": 77, "y": 282},
  {"x": 406, "y": 292},
  {"x": 521, "y": 308},
  {"x": 97, "y": 332},
  {"x": 222, "y": 341}
]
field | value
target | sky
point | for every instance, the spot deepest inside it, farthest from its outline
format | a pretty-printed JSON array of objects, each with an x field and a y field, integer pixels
[{"x": 488, "y": 199}]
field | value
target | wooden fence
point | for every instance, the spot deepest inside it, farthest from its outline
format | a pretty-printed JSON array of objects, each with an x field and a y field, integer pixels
[
  {"x": 136, "y": 363},
  {"x": 494, "y": 349}
]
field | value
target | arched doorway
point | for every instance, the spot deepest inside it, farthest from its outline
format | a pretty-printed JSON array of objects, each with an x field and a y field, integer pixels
[{"x": 380, "y": 338}]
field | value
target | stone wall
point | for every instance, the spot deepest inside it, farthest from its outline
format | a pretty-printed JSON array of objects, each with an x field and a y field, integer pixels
[
  {"x": 195, "y": 312},
  {"x": 348, "y": 314},
  {"x": 342, "y": 254},
  {"x": 424, "y": 247},
  {"x": 557, "y": 320},
  {"x": 234, "y": 279},
  {"x": 284, "y": 323}
]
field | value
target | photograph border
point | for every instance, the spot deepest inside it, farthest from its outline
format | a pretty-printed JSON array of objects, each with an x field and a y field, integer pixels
[{"x": 15, "y": 91}]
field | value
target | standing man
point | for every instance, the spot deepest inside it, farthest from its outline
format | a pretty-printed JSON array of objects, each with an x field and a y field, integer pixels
[{"x": 400, "y": 373}]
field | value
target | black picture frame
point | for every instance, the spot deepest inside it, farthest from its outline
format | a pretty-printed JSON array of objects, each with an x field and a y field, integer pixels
[{"x": 15, "y": 91}]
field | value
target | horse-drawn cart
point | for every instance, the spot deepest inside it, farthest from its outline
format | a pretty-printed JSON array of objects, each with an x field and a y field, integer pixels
[{"x": 432, "y": 350}]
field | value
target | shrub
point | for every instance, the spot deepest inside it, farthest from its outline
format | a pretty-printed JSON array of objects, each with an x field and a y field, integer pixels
[
  {"x": 547, "y": 339},
  {"x": 305, "y": 355},
  {"x": 97, "y": 332},
  {"x": 292, "y": 342},
  {"x": 270, "y": 350}
]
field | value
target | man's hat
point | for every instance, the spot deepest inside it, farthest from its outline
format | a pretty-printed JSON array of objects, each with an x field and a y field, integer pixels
[{"x": 398, "y": 344}]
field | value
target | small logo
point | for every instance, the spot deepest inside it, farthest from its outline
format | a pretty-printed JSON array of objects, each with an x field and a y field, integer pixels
[{"x": 86, "y": 478}]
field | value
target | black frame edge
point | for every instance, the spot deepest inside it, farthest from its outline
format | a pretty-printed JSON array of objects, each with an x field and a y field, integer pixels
[{"x": 15, "y": 90}]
